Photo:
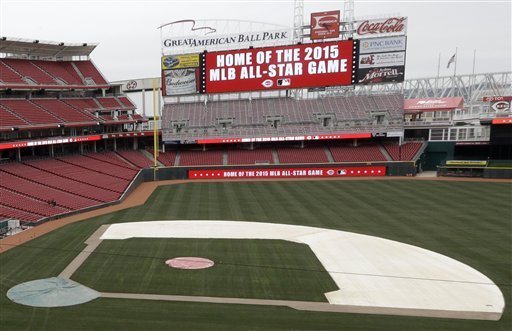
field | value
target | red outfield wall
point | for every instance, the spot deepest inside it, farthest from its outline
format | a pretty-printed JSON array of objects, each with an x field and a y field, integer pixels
[{"x": 305, "y": 172}]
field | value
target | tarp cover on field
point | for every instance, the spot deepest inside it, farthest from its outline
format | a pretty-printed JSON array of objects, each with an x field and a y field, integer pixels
[{"x": 51, "y": 292}]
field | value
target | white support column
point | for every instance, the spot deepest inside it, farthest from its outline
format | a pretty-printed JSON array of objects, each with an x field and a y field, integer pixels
[{"x": 144, "y": 103}]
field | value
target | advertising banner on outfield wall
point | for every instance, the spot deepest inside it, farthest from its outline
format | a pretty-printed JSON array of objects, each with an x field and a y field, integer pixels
[
  {"x": 282, "y": 67},
  {"x": 180, "y": 61},
  {"x": 325, "y": 25},
  {"x": 381, "y": 27},
  {"x": 381, "y": 45},
  {"x": 380, "y": 75},
  {"x": 179, "y": 81},
  {"x": 330, "y": 136},
  {"x": 324, "y": 172}
]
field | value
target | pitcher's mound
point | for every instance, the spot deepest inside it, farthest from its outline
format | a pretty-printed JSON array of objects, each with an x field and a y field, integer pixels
[{"x": 189, "y": 263}]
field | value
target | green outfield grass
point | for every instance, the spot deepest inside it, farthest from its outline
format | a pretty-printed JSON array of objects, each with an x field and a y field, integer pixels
[
  {"x": 470, "y": 222},
  {"x": 259, "y": 269}
]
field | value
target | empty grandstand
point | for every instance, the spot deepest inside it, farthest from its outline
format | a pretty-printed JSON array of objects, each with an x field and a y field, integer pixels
[{"x": 56, "y": 111}]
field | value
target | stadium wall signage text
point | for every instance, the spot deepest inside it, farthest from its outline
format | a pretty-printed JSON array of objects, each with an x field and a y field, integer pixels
[
  {"x": 45, "y": 142},
  {"x": 252, "y": 38},
  {"x": 179, "y": 81},
  {"x": 380, "y": 75},
  {"x": 258, "y": 173},
  {"x": 325, "y": 25},
  {"x": 497, "y": 98},
  {"x": 380, "y": 27},
  {"x": 331, "y": 136},
  {"x": 376, "y": 60},
  {"x": 180, "y": 61},
  {"x": 380, "y": 45},
  {"x": 499, "y": 103},
  {"x": 282, "y": 67},
  {"x": 506, "y": 120}
]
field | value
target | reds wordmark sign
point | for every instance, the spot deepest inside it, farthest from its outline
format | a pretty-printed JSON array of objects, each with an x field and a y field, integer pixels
[{"x": 325, "y": 25}]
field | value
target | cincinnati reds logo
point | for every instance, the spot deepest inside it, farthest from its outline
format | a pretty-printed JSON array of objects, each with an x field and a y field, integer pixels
[
  {"x": 325, "y": 22},
  {"x": 131, "y": 85},
  {"x": 267, "y": 83}
]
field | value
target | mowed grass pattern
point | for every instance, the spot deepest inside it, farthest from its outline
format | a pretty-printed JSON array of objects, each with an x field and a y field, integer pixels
[
  {"x": 470, "y": 222},
  {"x": 259, "y": 269}
]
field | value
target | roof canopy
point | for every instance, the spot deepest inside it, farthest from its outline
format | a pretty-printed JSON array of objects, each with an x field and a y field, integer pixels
[
  {"x": 44, "y": 48},
  {"x": 432, "y": 104}
]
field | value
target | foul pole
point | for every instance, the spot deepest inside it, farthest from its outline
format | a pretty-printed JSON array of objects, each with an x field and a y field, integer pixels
[{"x": 155, "y": 131}]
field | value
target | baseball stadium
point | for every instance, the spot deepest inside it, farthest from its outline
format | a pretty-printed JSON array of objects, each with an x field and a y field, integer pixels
[{"x": 272, "y": 177}]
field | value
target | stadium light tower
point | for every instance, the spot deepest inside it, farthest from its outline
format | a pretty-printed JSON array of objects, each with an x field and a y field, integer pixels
[
  {"x": 298, "y": 20},
  {"x": 348, "y": 18},
  {"x": 298, "y": 35}
]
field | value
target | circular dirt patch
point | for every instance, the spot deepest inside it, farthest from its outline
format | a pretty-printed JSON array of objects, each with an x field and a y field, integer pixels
[
  {"x": 189, "y": 263},
  {"x": 51, "y": 292}
]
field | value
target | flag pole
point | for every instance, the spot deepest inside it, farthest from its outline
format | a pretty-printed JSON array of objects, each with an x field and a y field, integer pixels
[
  {"x": 438, "y": 71},
  {"x": 454, "y": 73},
  {"x": 472, "y": 81},
  {"x": 455, "y": 67}
]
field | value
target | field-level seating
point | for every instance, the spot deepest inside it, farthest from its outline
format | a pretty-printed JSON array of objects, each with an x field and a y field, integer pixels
[
  {"x": 61, "y": 183},
  {"x": 167, "y": 158},
  {"x": 368, "y": 152},
  {"x": 406, "y": 152},
  {"x": 197, "y": 157},
  {"x": 44, "y": 193},
  {"x": 82, "y": 175},
  {"x": 111, "y": 157},
  {"x": 137, "y": 158},
  {"x": 246, "y": 156},
  {"x": 9, "y": 212},
  {"x": 100, "y": 166},
  {"x": 310, "y": 154},
  {"x": 27, "y": 204}
]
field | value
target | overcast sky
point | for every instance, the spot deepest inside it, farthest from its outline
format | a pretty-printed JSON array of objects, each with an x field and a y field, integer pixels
[{"x": 129, "y": 41}]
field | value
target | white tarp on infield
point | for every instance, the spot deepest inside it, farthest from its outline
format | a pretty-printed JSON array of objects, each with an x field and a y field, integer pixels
[{"x": 369, "y": 271}]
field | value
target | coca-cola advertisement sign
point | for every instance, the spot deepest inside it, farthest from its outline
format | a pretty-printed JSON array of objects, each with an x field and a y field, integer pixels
[
  {"x": 381, "y": 27},
  {"x": 380, "y": 75}
]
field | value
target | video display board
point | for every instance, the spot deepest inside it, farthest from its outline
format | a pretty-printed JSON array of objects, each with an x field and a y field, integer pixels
[{"x": 282, "y": 67}]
